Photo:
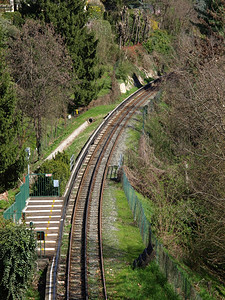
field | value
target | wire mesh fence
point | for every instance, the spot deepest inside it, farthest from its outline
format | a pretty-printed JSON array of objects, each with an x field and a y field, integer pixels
[{"x": 174, "y": 274}]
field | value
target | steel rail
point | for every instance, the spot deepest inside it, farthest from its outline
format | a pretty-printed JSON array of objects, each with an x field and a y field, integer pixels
[
  {"x": 80, "y": 159},
  {"x": 84, "y": 234},
  {"x": 70, "y": 245},
  {"x": 88, "y": 200},
  {"x": 100, "y": 208}
]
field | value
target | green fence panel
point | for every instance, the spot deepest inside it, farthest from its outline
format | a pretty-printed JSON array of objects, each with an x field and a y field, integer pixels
[
  {"x": 14, "y": 212},
  {"x": 176, "y": 276},
  {"x": 34, "y": 185},
  {"x": 43, "y": 185}
]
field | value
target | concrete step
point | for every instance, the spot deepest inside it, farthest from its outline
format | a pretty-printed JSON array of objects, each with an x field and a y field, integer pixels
[
  {"x": 42, "y": 212},
  {"x": 45, "y": 214},
  {"x": 44, "y": 201},
  {"x": 34, "y": 217}
]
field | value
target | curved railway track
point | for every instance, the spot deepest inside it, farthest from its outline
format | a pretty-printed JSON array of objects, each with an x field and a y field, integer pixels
[{"x": 84, "y": 269}]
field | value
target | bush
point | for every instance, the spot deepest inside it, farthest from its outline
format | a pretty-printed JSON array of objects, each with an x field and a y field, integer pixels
[
  {"x": 124, "y": 69},
  {"x": 159, "y": 41},
  {"x": 59, "y": 167},
  {"x": 95, "y": 11},
  {"x": 15, "y": 18},
  {"x": 17, "y": 259}
]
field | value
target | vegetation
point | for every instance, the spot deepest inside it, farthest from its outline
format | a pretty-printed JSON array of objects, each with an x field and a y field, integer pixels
[
  {"x": 179, "y": 163},
  {"x": 11, "y": 151},
  {"x": 17, "y": 259},
  {"x": 69, "y": 20},
  {"x": 211, "y": 17},
  {"x": 160, "y": 42},
  {"x": 59, "y": 167},
  {"x": 31, "y": 58}
]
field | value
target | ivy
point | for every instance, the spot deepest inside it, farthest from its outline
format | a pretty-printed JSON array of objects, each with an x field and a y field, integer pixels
[{"x": 17, "y": 259}]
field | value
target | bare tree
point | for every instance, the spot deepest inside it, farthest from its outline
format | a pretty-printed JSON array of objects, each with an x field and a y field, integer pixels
[
  {"x": 196, "y": 124},
  {"x": 41, "y": 69},
  {"x": 132, "y": 27},
  {"x": 187, "y": 134}
]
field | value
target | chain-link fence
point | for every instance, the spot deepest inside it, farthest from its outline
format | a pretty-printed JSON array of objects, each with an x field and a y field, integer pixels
[{"x": 174, "y": 274}]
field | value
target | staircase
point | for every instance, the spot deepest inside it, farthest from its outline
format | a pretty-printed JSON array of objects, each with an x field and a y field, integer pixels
[{"x": 44, "y": 214}]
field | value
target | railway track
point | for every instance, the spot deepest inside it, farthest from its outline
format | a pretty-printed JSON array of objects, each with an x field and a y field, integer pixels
[{"x": 80, "y": 275}]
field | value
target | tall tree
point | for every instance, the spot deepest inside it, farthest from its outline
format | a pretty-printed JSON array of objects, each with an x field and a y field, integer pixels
[
  {"x": 70, "y": 19},
  {"x": 11, "y": 150},
  {"x": 41, "y": 67}
]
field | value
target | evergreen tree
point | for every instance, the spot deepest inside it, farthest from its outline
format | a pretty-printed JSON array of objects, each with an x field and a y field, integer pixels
[
  {"x": 70, "y": 20},
  {"x": 11, "y": 150}
]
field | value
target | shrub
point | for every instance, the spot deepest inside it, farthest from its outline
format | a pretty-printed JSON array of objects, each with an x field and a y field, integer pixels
[
  {"x": 124, "y": 69},
  {"x": 95, "y": 11},
  {"x": 17, "y": 259},
  {"x": 59, "y": 167},
  {"x": 159, "y": 41}
]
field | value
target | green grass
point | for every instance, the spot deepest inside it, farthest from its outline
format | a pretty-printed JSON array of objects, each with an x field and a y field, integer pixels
[
  {"x": 147, "y": 205},
  {"x": 36, "y": 290},
  {"x": 146, "y": 283},
  {"x": 122, "y": 281},
  {"x": 11, "y": 199},
  {"x": 32, "y": 294},
  {"x": 105, "y": 83}
]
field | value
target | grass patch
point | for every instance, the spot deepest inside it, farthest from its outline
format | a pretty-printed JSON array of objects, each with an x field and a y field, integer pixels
[
  {"x": 4, "y": 204},
  {"x": 147, "y": 205},
  {"x": 120, "y": 250},
  {"x": 127, "y": 229},
  {"x": 36, "y": 290},
  {"x": 32, "y": 294}
]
